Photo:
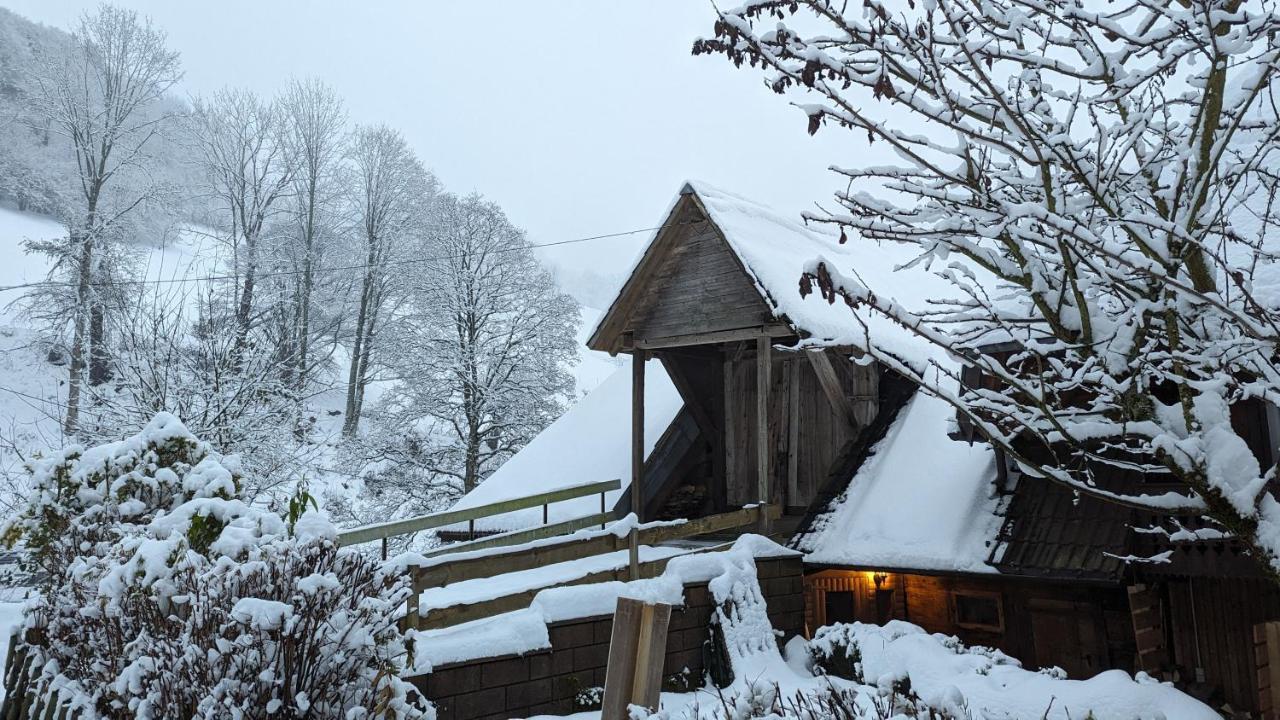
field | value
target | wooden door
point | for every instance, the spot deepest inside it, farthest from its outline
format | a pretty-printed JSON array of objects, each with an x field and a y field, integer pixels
[{"x": 1066, "y": 635}]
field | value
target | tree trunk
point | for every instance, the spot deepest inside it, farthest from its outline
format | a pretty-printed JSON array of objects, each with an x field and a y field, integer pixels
[
  {"x": 304, "y": 293},
  {"x": 84, "y": 277},
  {"x": 244, "y": 312},
  {"x": 355, "y": 393},
  {"x": 99, "y": 357}
]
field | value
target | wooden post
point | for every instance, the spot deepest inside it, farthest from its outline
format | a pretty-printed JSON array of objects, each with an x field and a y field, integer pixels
[
  {"x": 411, "y": 619},
  {"x": 1268, "y": 662},
  {"x": 651, "y": 654},
  {"x": 384, "y": 548},
  {"x": 764, "y": 362},
  {"x": 619, "y": 677},
  {"x": 637, "y": 650},
  {"x": 793, "y": 435},
  {"x": 637, "y": 455}
]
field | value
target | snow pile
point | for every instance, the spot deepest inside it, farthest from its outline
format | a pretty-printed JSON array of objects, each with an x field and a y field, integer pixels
[
  {"x": 899, "y": 671},
  {"x": 921, "y": 500},
  {"x": 986, "y": 684},
  {"x": 167, "y": 595}
]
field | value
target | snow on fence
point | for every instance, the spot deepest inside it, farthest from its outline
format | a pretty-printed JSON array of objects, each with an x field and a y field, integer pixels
[
  {"x": 470, "y": 563},
  {"x": 23, "y": 700},
  {"x": 383, "y": 531}
]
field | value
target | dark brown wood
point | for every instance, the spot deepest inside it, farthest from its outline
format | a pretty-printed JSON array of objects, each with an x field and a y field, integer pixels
[
  {"x": 764, "y": 364},
  {"x": 688, "y": 282},
  {"x": 794, "y": 498},
  {"x": 773, "y": 330},
  {"x": 638, "y": 359}
]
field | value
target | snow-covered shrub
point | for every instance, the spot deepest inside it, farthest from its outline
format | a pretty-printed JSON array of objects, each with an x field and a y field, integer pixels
[
  {"x": 765, "y": 701},
  {"x": 164, "y": 595},
  {"x": 835, "y": 652}
]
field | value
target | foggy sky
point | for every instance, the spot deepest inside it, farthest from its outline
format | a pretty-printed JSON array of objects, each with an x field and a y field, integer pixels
[{"x": 579, "y": 118}]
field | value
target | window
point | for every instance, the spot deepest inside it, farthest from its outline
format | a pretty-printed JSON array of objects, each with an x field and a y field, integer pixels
[
  {"x": 978, "y": 610},
  {"x": 839, "y": 606}
]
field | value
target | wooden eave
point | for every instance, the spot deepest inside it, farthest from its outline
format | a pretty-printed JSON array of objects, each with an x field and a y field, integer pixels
[{"x": 611, "y": 334}]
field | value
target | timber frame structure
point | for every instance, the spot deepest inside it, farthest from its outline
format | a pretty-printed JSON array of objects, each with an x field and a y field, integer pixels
[{"x": 692, "y": 304}]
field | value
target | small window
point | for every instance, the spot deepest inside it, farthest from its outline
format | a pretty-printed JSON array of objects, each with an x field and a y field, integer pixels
[
  {"x": 839, "y": 606},
  {"x": 978, "y": 611}
]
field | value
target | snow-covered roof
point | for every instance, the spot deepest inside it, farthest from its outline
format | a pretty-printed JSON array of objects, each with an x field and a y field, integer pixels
[
  {"x": 589, "y": 443},
  {"x": 776, "y": 249},
  {"x": 919, "y": 501}
]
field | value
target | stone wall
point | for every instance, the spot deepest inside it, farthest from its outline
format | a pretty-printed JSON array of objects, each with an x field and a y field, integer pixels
[{"x": 548, "y": 681}]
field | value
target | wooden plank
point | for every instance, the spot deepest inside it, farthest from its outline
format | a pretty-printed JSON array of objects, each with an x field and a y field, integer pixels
[
  {"x": 436, "y": 618},
  {"x": 1273, "y": 661},
  {"x": 369, "y": 533},
  {"x": 794, "y": 496},
  {"x": 651, "y": 650},
  {"x": 773, "y": 330},
  {"x": 517, "y": 537},
  {"x": 764, "y": 365},
  {"x": 576, "y": 548},
  {"x": 831, "y": 386},
  {"x": 619, "y": 679},
  {"x": 518, "y": 559},
  {"x": 729, "y": 441},
  {"x": 710, "y": 524}
]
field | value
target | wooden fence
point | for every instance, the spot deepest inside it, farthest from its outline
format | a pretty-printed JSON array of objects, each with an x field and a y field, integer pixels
[
  {"x": 544, "y": 553},
  {"x": 24, "y": 695},
  {"x": 386, "y": 530}
]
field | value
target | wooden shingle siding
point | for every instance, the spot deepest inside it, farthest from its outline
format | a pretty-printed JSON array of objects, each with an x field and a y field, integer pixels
[{"x": 699, "y": 287}]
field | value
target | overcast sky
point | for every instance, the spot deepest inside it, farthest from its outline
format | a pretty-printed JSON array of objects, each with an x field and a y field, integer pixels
[{"x": 579, "y": 118}]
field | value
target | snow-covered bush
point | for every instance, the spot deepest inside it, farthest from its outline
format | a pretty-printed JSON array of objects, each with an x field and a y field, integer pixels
[
  {"x": 164, "y": 595},
  {"x": 835, "y": 653}
]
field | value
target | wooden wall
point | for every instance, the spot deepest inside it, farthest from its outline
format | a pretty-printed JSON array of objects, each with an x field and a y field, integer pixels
[
  {"x": 699, "y": 287},
  {"x": 1082, "y": 629},
  {"x": 1209, "y": 625},
  {"x": 806, "y": 433}
]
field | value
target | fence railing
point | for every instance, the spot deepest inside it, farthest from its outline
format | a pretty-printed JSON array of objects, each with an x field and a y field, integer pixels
[
  {"x": 386, "y": 530},
  {"x": 444, "y": 571}
]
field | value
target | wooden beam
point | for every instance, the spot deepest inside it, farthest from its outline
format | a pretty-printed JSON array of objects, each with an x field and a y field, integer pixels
[
  {"x": 369, "y": 533},
  {"x": 436, "y": 618},
  {"x": 774, "y": 330},
  {"x": 517, "y": 537},
  {"x": 638, "y": 359},
  {"x": 793, "y": 433},
  {"x": 575, "y": 548},
  {"x": 727, "y": 438},
  {"x": 831, "y": 386},
  {"x": 764, "y": 365}
]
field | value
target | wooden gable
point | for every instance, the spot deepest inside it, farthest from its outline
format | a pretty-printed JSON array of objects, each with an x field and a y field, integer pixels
[{"x": 689, "y": 282}]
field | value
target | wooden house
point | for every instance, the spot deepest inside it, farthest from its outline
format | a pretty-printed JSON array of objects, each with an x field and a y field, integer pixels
[{"x": 758, "y": 395}]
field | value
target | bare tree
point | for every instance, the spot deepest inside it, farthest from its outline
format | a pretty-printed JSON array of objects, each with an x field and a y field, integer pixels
[
  {"x": 1098, "y": 184},
  {"x": 242, "y": 152},
  {"x": 97, "y": 94},
  {"x": 314, "y": 119},
  {"x": 486, "y": 342},
  {"x": 390, "y": 189}
]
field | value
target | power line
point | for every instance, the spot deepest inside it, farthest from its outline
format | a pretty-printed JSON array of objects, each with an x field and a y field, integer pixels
[{"x": 342, "y": 268}]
